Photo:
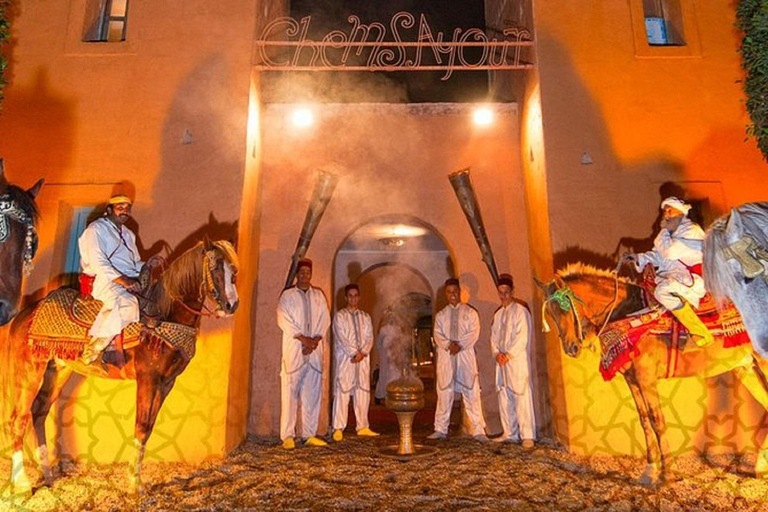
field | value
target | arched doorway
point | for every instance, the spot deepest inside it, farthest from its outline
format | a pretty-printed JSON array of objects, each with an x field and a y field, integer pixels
[{"x": 400, "y": 263}]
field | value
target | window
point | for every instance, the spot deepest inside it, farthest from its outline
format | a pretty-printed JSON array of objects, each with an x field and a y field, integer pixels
[
  {"x": 663, "y": 22},
  {"x": 105, "y": 20},
  {"x": 80, "y": 217},
  {"x": 665, "y": 28}
]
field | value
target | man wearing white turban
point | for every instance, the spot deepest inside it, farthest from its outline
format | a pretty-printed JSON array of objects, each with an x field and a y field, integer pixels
[{"x": 676, "y": 257}]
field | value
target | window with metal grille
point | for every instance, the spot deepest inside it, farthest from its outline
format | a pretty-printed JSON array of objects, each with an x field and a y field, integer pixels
[{"x": 105, "y": 21}]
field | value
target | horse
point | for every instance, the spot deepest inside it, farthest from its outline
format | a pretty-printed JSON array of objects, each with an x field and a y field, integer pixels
[
  {"x": 736, "y": 267},
  {"x": 582, "y": 300},
  {"x": 18, "y": 241},
  {"x": 179, "y": 297}
]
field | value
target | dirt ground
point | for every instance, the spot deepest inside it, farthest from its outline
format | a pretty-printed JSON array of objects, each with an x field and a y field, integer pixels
[{"x": 351, "y": 475}]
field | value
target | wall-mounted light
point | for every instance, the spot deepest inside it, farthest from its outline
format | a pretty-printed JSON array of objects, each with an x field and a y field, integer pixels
[
  {"x": 482, "y": 116},
  {"x": 302, "y": 117}
]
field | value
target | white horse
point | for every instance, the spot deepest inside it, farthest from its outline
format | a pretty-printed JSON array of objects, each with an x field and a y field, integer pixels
[{"x": 736, "y": 267}]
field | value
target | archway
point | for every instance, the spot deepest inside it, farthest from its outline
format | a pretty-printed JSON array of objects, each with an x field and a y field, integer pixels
[{"x": 400, "y": 263}]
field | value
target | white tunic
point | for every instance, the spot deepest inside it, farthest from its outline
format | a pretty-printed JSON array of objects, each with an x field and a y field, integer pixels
[
  {"x": 108, "y": 251},
  {"x": 353, "y": 333},
  {"x": 511, "y": 335},
  {"x": 305, "y": 313},
  {"x": 462, "y": 325},
  {"x": 670, "y": 254}
]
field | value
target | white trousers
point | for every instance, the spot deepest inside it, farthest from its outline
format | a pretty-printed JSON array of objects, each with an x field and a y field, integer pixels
[
  {"x": 119, "y": 309},
  {"x": 362, "y": 400},
  {"x": 303, "y": 385},
  {"x": 516, "y": 411},
  {"x": 472, "y": 405}
]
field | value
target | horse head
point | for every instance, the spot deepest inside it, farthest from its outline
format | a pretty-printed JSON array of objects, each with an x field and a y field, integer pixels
[
  {"x": 736, "y": 266},
  {"x": 560, "y": 305},
  {"x": 220, "y": 269},
  {"x": 18, "y": 241},
  {"x": 206, "y": 272}
]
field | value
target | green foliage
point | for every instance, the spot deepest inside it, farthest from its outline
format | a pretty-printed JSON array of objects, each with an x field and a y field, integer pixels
[
  {"x": 752, "y": 19},
  {"x": 5, "y": 32}
]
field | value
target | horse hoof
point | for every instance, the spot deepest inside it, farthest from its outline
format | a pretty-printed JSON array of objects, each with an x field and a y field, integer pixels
[{"x": 650, "y": 476}]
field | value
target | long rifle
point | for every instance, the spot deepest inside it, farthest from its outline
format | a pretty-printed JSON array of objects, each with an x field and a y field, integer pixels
[
  {"x": 326, "y": 183},
  {"x": 468, "y": 201}
]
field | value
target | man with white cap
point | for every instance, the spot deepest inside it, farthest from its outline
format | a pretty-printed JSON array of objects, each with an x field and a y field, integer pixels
[
  {"x": 302, "y": 314},
  {"x": 108, "y": 255},
  {"x": 353, "y": 341},
  {"x": 511, "y": 347},
  {"x": 676, "y": 257},
  {"x": 457, "y": 328}
]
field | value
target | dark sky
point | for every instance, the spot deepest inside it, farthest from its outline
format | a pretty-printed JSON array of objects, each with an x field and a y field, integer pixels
[{"x": 416, "y": 86}]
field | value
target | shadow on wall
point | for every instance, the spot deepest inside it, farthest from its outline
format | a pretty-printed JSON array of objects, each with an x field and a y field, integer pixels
[
  {"x": 594, "y": 204},
  {"x": 36, "y": 127}
]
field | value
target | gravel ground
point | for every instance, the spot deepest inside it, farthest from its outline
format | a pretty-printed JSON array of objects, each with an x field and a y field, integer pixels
[{"x": 462, "y": 475}]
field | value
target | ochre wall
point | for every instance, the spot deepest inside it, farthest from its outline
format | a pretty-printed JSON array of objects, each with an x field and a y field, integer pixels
[
  {"x": 87, "y": 116},
  {"x": 645, "y": 116},
  {"x": 390, "y": 159}
]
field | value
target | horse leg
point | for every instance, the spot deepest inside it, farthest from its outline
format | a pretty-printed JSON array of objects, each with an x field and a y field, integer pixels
[
  {"x": 152, "y": 386},
  {"x": 652, "y": 469},
  {"x": 53, "y": 383},
  {"x": 658, "y": 422},
  {"x": 150, "y": 397},
  {"x": 29, "y": 378},
  {"x": 755, "y": 382}
]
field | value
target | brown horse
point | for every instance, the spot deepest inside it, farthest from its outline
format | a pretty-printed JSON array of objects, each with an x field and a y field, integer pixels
[
  {"x": 18, "y": 241},
  {"x": 579, "y": 300},
  {"x": 206, "y": 271}
]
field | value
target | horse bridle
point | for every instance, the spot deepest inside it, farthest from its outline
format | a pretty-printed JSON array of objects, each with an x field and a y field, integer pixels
[
  {"x": 207, "y": 288},
  {"x": 10, "y": 210},
  {"x": 566, "y": 300}
]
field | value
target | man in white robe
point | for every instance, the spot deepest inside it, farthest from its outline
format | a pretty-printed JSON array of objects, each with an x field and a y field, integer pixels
[
  {"x": 676, "y": 256},
  {"x": 457, "y": 328},
  {"x": 511, "y": 347},
  {"x": 352, "y": 343},
  {"x": 390, "y": 346},
  {"x": 109, "y": 255},
  {"x": 302, "y": 314}
]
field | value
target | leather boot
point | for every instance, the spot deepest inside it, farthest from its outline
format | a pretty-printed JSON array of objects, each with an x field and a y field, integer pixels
[{"x": 698, "y": 331}]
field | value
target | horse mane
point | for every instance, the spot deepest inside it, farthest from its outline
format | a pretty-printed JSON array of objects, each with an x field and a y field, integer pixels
[
  {"x": 574, "y": 270},
  {"x": 23, "y": 201},
  {"x": 183, "y": 276},
  {"x": 718, "y": 276}
]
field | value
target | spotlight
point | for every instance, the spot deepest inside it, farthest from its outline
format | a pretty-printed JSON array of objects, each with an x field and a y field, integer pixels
[
  {"x": 302, "y": 117},
  {"x": 482, "y": 116}
]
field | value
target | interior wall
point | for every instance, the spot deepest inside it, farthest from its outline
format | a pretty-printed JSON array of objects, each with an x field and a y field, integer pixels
[{"x": 390, "y": 159}]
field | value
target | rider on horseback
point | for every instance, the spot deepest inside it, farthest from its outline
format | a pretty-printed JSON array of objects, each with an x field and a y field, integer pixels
[
  {"x": 676, "y": 257},
  {"x": 110, "y": 257}
]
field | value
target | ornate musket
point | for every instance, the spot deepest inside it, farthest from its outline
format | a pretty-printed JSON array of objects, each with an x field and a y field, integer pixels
[
  {"x": 326, "y": 183},
  {"x": 468, "y": 201}
]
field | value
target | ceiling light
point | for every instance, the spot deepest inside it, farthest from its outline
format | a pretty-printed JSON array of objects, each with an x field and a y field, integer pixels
[
  {"x": 482, "y": 116},
  {"x": 302, "y": 117}
]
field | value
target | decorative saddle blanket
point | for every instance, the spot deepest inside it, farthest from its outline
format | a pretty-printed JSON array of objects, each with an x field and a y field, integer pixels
[
  {"x": 618, "y": 342},
  {"x": 60, "y": 324}
]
